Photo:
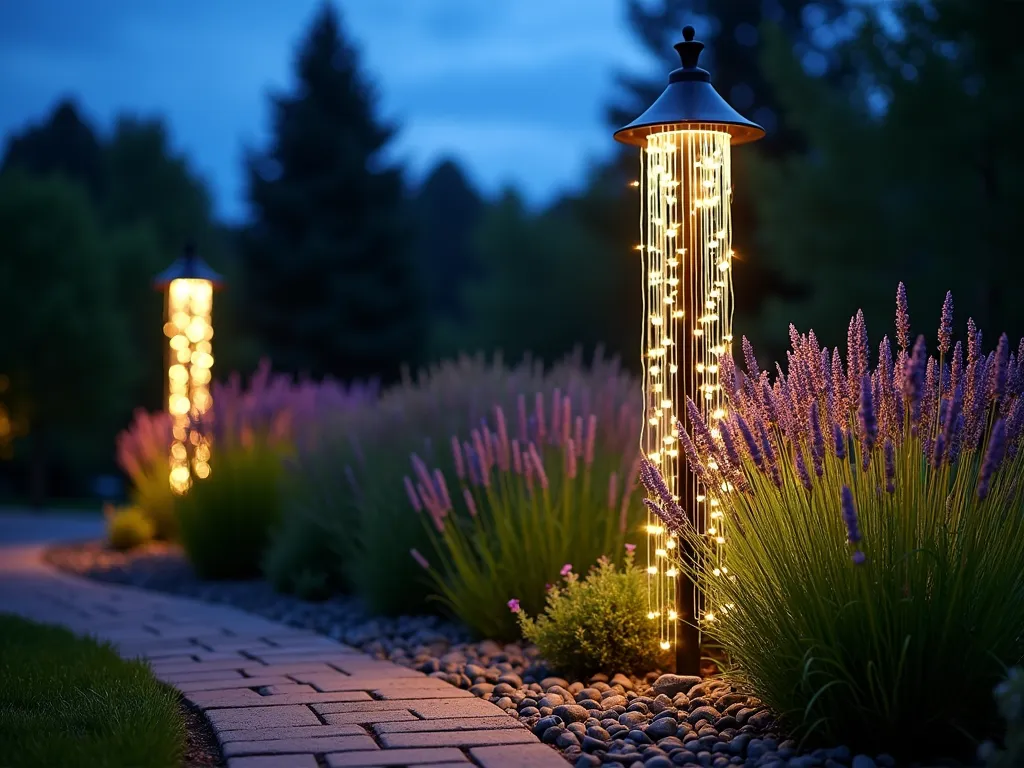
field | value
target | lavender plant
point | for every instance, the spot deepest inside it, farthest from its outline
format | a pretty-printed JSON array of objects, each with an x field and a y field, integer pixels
[
  {"x": 227, "y": 519},
  {"x": 527, "y": 495},
  {"x": 348, "y": 485},
  {"x": 142, "y": 454},
  {"x": 871, "y": 591}
]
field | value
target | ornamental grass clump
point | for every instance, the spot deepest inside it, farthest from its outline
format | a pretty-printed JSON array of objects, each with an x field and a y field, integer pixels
[
  {"x": 871, "y": 591},
  {"x": 526, "y": 496},
  {"x": 595, "y": 624}
]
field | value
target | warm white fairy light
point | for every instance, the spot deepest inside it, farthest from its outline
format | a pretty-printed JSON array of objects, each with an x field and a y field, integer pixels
[
  {"x": 686, "y": 250},
  {"x": 189, "y": 332}
]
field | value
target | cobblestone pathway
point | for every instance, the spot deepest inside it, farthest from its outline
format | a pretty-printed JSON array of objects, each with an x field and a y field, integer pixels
[{"x": 275, "y": 695}]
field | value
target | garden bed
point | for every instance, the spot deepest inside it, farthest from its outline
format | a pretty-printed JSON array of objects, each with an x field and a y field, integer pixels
[{"x": 606, "y": 719}]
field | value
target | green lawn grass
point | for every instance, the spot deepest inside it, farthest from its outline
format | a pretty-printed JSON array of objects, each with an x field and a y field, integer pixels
[{"x": 70, "y": 701}]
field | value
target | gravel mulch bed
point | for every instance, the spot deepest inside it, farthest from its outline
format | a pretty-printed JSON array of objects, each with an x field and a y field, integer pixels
[{"x": 607, "y": 720}]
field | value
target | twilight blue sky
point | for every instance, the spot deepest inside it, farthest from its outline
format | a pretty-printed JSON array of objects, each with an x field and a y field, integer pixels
[{"x": 514, "y": 89}]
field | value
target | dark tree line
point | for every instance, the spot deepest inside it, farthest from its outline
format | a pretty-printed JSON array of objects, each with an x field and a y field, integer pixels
[{"x": 891, "y": 154}]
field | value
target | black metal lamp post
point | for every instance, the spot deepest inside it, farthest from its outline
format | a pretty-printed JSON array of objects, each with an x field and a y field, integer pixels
[{"x": 685, "y": 139}]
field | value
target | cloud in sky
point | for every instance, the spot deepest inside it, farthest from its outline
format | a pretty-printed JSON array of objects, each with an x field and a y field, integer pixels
[{"x": 514, "y": 89}]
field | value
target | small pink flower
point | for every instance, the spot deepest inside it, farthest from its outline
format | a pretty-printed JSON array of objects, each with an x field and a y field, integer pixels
[
  {"x": 566, "y": 569},
  {"x": 547, "y": 587},
  {"x": 630, "y": 549},
  {"x": 513, "y": 605}
]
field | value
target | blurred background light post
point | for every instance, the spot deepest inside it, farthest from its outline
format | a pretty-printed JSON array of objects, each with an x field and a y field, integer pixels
[
  {"x": 189, "y": 284},
  {"x": 685, "y": 138}
]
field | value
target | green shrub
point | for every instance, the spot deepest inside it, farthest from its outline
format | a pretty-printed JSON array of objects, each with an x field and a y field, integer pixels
[
  {"x": 597, "y": 624},
  {"x": 871, "y": 591},
  {"x": 302, "y": 558},
  {"x": 1010, "y": 700},
  {"x": 225, "y": 520},
  {"x": 127, "y": 528},
  {"x": 524, "y": 502},
  {"x": 142, "y": 453}
]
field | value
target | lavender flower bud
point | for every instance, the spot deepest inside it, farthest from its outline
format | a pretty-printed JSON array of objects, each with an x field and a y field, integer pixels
[
  {"x": 857, "y": 353},
  {"x": 913, "y": 379},
  {"x": 946, "y": 324},
  {"x": 539, "y": 416},
  {"x": 957, "y": 367},
  {"x": 902, "y": 317},
  {"x": 839, "y": 391},
  {"x": 771, "y": 460},
  {"x": 768, "y": 401},
  {"x": 801, "y": 469},
  {"x": 890, "y": 466},
  {"x": 729, "y": 444},
  {"x": 470, "y": 502},
  {"x": 973, "y": 343},
  {"x": 993, "y": 457},
  {"x": 850, "y": 516},
  {"x": 859, "y": 558},
  {"x": 748, "y": 438},
  {"x": 998, "y": 374},
  {"x": 838, "y": 441},
  {"x": 750, "y": 359},
  {"x": 460, "y": 467},
  {"x": 521, "y": 412},
  {"x": 538, "y": 466},
  {"x": 727, "y": 374},
  {"x": 570, "y": 459},
  {"x": 410, "y": 491},
  {"x": 868, "y": 422},
  {"x": 956, "y": 440}
]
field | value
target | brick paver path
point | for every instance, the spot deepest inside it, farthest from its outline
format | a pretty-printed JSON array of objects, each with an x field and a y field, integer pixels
[{"x": 276, "y": 696}]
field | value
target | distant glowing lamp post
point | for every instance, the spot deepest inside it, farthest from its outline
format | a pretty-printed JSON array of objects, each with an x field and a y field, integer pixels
[
  {"x": 189, "y": 284},
  {"x": 685, "y": 138}
]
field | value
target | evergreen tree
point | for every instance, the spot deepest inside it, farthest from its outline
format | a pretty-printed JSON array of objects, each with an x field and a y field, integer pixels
[
  {"x": 911, "y": 175},
  {"x": 448, "y": 211},
  {"x": 65, "y": 358},
  {"x": 64, "y": 144},
  {"x": 330, "y": 284}
]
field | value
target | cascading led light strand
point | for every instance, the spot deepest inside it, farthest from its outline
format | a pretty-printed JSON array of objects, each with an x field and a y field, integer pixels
[{"x": 189, "y": 284}]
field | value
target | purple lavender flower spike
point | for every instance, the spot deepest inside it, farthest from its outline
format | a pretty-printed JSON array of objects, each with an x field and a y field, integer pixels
[
  {"x": 460, "y": 467},
  {"x": 588, "y": 451},
  {"x": 938, "y": 450},
  {"x": 859, "y": 558},
  {"x": 771, "y": 410},
  {"x": 470, "y": 502},
  {"x": 868, "y": 420},
  {"x": 1014, "y": 422},
  {"x": 857, "y": 353},
  {"x": 653, "y": 481},
  {"x": 946, "y": 324},
  {"x": 956, "y": 440},
  {"x": 801, "y": 469},
  {"x": 538, "y": 467},
  {"x": 750, "y": 359},
  {"x": 693, "y": 459},
  {"x": 839, "y": 391},
  {"x": 521, "y": 413},
  {"x": 727, "y": 374},
  {"x": 839, "y": 441},
  {"x": 993, "y": 457},
  {"x": 850, "y": 515},
  {"x": 973, "y": 343},
  {"x": 517, "y": 459},
  {"x": 999, "y": 369},
  {"x": 502, "y": 443},
  {"x": 956, "y": 369},
  {"x": 570, "y": 459},
  {"x": 913, "y": 380},
  {"x": 701, "y": 435},
  {"x": 928, "y": 395},
  {"x": 729, "y": 444},
  {"x": 556, "y": 415},
  {"x": 770, "y": 458},
  {"x": 890, "y": 466},
  {"x": 748, "y": 438},
  {"x": 902, "y": 317},
  {"x": 539, "y": 415},
  {"x": 410, "y": 491}
]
